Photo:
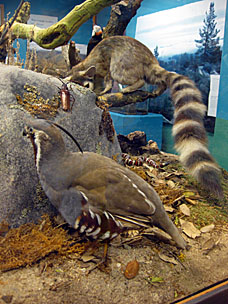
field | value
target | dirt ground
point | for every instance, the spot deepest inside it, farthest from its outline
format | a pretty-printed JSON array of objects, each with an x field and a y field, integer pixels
[
  {"x": 67, "y": 281},
  {"x": 165, "y": 273}
]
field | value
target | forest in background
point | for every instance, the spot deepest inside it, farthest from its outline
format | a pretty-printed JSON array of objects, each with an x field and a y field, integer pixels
[{"x": 197, "y": 66}]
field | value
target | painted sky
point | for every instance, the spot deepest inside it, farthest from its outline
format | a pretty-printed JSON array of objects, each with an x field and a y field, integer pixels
[{"x": 174, "y": 31}]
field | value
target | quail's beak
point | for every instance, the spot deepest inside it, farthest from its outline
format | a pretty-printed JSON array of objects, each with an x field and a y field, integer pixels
[
  {"x": 28, "y": 131},
  {"x": 24, "y": 133}
]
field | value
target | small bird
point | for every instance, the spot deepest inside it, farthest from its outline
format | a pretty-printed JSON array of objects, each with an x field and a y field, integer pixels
[
  {"x": 95, "y": 39},
  {"x": 94, "y": 194}
]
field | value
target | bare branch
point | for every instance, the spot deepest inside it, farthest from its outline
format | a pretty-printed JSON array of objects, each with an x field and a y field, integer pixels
[
  {"x": 121, "y": 15},
  {"x": 8, "y": 25},
  {"x": 120, "y": 99},
  {"x": 61, "y": 32}
]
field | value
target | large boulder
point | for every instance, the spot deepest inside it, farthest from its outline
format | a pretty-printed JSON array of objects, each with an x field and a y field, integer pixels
[{"x": 21, "y": 197}]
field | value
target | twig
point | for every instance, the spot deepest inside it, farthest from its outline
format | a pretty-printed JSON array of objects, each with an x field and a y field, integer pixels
[{"x": 8, "y": 26}]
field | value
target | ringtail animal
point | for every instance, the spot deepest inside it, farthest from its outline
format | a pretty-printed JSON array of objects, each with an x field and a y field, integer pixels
[{"x": 131, "y": 63}]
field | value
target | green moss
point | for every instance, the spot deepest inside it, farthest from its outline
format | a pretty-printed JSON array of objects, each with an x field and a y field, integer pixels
[
  {"x": 203, "y": 214},
  {"x": 208, "y": 209}
]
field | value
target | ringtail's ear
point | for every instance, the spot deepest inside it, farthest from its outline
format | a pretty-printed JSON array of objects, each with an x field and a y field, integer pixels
[
  {"x": 87, "y": 77},
  {"x": 84, "y": 78},
  {"x": 90, "y": 72},
  {"x": 85, "y": 74}
]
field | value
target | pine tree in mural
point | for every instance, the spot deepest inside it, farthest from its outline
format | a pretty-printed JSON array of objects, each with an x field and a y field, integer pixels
[
  {"x": 156, "y": 53},
  {"x": 208, "y": 46}
]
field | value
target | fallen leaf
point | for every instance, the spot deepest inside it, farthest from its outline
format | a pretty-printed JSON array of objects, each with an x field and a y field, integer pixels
[
  {"x": 132, "y": 269},
  {"x": 171, "y": 184},
  {"x": 160, "y": 182},
  {"x": 168, "y": 208},
  {"x": 189, "y": 194},
  {"x": 190, "y": 201},
  {"x": 189, "y": 229},
  {"x": 173, "y": 174},
  {"x": 209, "y": 245},
  {"x": 151, "y": 174},
  {"x": 150, "y": 169},
  {"x": 184, "y": 209},
  {"x": 177, "y": 199},
  {"x": 153, "y": 280},
  {"x": 207, "y": 228},
  {"x": 87, "y": 258},
  {"x": 167, "y": 259}
]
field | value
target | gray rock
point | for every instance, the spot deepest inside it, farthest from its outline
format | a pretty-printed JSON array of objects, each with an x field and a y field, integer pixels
[{"x": 21, "y": 197}]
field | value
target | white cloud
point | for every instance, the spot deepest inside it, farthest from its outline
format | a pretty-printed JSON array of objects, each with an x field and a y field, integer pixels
[{"x": 174, "y": 31}]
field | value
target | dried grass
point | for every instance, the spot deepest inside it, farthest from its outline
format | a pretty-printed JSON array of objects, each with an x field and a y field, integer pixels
[{"x": 31, "y": 242}]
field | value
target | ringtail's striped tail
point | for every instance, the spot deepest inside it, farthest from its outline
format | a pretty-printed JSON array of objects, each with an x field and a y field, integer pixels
[
  {"x": 189, "y": 133},
  {"x": 129, "y": 62}
]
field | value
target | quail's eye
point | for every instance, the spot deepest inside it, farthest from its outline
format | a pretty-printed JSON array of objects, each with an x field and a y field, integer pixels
[{"x": 28, "y": 130}]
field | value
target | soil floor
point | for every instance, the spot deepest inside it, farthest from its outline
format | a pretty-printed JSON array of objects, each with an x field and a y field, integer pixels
[
  {"x": 71, "y": 279},
  {"x": 68, "y": 281}
]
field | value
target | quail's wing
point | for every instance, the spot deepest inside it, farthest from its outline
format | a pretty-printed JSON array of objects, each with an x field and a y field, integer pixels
[
  {"x": 99, "y": 198},
  {"x": 118, "y": 190}
]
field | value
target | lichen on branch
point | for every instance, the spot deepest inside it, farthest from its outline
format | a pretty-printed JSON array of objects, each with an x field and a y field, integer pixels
[
  {"x": 119, "y": 99},
  {"x": 60, "y": 33}
]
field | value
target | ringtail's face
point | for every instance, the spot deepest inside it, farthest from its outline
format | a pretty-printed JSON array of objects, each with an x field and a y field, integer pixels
[{"x": 84, "y": 78}]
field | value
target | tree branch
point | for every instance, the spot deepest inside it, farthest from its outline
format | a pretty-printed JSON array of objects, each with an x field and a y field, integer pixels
[
  {"x": 21, "y": 15},
  {"x": 120, "y": 99},
  {"x": 121, "y": 15},
  {"x": 61, "y": 32},
  {"x": 8, "y": 25}
]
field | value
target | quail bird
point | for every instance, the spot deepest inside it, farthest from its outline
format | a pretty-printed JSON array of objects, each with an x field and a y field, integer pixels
[{"x": 94, "y": 194}]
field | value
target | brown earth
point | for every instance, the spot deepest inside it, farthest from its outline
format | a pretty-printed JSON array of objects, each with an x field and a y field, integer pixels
[{"x": 70, "y": 278}]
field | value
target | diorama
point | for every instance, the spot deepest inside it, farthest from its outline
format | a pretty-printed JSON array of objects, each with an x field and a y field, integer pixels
[{"x": 94, "y": 207}]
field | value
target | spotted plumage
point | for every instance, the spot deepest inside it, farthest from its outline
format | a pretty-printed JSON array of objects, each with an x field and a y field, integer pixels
[
  {"x": 131, "y": 63},
  {"x": 94, "y": 194},
  {"x": 97, "y": 224}
]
